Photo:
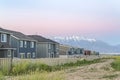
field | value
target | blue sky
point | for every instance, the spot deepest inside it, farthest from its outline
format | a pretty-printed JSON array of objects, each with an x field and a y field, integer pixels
[{"x": 92, "y": 18}]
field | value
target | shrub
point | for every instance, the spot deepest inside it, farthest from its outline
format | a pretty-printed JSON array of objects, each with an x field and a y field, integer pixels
[
  {"x": 1, "y": 76},
  {"x": 20, "y": 68},
  {"x": 116, "y": 63}
]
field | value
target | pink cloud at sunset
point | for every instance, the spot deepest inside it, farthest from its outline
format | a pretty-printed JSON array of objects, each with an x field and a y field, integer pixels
[{"x": 99, "y": 18}]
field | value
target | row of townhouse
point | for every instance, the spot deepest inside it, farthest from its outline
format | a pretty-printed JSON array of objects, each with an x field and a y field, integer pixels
[
  {"x": 19, "y": 45},
  {"x": 70, "y": 50}
]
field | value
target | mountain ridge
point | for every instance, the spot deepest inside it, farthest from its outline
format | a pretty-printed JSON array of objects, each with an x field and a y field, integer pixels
[{"x": 87, "y": 43}]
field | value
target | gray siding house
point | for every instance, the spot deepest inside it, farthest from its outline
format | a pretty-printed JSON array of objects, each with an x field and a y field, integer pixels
[
  {"x": 46, "y": 48},
  {"x": 25, "y": 46},
  {"x": 76, "y": 51},
  {"x": 5, "y": 44}
]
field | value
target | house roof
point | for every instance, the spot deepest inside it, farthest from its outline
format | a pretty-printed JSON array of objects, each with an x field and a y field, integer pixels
[
  {"x": 18, "y": 35},
  {"x": 42, "y": 39}
]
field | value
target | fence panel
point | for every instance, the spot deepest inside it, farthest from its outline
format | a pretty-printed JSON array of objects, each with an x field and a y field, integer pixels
[{"x": 5, "y": 65}]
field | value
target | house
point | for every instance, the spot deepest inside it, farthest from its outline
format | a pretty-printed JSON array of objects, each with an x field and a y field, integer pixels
[
  {"x": 46, "y": 48},
  {"x": 71, "y": 51},
  {"x": 94, "y": 53},
  {"x": 79, "y": 50},
  {"x": 63, "y": 49},
  {"x": 6, "y": 51},
  {"x": 87, "y": 52},
  {"x": 76, "y": 51},
  {"x": 25, "y": 46}
]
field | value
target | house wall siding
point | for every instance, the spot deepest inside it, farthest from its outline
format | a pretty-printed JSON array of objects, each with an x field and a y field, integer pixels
[
  {"x": 15, "y": 44},
  {"x": 4, "y": 52},
  {"x": 42, "y": 50},
  {"x": 27, "y": 49},
  {"x": 57, "y": 50}
]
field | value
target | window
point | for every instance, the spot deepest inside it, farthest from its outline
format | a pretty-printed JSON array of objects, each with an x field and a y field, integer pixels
[
  {"x": 9, "y": 54},
  {"x": 3, "y": 37},
  {"x": 25, "y": 44},
  {"x": 28, "y": 55},
  {"x": 33, "y": 55},
  {"x": 22, "y": 55},
  {"x": 21, "y": 43},
  {"x": 32, "y": 44}
]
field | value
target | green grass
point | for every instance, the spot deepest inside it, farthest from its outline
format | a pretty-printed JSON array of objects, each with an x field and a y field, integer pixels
[
  {"x": 116, "y": 63},
  {"x": 1, "y": 76}
]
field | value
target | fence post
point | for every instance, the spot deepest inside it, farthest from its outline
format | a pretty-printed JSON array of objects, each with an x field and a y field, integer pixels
[{"x": 11, "y": 60}]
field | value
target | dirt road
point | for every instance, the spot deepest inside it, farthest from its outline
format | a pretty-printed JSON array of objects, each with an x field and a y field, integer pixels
[{"x": 98, "y": 71}]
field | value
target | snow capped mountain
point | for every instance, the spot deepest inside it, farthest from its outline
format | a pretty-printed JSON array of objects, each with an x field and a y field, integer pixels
[
  {"x": 87, "y": 43},
  {"x": 74, "y": 38}
]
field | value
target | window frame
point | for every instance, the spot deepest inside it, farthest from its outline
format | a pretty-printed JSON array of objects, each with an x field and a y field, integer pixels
[
  {"x": 32, "y": 44},
  {"x": 25, "y": 44},
  {"x": 29, "y": 55},
  {"x": 21, "y": 44},
  {"x": 9, "y": 55},
  {"x": 33, "y": 55},
  {"x": 22, "y": 55},
  {"x": 3, "y": 37}
]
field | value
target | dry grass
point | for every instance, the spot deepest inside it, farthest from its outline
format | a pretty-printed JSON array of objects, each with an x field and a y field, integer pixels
[
  {"x": 49, "y": 61},
  {"x": 97, "y": 71},
  {"x": 58, "y": 75}
]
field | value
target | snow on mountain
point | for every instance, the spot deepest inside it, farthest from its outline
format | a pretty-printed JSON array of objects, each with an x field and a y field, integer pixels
[
  {"x": 75, "y": 38},
  {"x": 87, "y": 43}
]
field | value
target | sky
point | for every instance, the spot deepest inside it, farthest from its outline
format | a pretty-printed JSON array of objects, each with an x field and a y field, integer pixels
[{"x": 98, "y": 19}]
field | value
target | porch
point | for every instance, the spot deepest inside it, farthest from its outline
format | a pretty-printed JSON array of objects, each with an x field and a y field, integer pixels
[{"x": 6, "y": 52}]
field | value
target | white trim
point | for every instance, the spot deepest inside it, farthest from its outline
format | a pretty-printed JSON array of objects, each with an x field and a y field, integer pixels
[
  {"x": 14, "y": 37},
  {"x": 7, "y": 48}
]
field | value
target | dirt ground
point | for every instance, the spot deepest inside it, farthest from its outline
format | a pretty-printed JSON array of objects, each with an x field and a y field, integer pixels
[{"x": 98, "y": 71}]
